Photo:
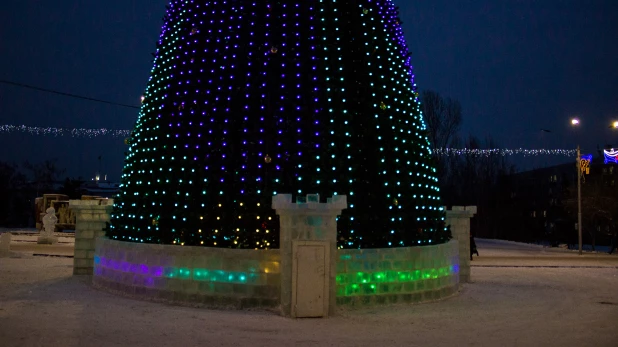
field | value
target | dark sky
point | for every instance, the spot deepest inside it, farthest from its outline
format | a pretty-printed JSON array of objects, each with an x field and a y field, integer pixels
[{"x": 515, "y": 66}]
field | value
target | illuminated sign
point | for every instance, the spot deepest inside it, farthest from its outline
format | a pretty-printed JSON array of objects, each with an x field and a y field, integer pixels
[
  {"x": 611, "y": 156},
  {"x": 584, "y": 164}
]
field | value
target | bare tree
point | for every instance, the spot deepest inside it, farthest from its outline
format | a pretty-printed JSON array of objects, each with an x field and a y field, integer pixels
[
  {"x": 44, "y": 174},
  {"x": 466, "y": 178},
  {"x": 478, "y": 178},
  {"x": 14, "y": 204},
  {"x": 443, "y": 118}
]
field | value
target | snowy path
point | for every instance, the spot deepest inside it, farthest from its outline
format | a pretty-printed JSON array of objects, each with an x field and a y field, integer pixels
[
  {"x": 41, "y": 304},
  {"x": 508, "y": 253}
]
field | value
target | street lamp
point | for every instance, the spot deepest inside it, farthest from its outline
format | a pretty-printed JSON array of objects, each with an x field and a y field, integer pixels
[
  {"x": 579, "y": 166},
  {"x": 575, "y": 122}
]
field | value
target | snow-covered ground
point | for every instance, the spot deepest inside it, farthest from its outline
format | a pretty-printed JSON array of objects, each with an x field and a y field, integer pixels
[
  {"x": 24, "y": 242},
  {"x": 521, "y": 295}
]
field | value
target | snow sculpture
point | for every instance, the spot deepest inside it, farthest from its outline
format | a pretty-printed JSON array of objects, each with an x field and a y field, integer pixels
[{"x": 49, "y": 225}]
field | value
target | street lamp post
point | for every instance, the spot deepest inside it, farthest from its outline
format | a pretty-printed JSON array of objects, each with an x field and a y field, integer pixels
[
  {"x": 579, "y": 167},
  {"x": 575, "y": 122}
]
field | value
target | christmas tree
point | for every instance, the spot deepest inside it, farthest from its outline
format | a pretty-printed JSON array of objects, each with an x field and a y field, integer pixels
[{"x": 248, "y": 99}]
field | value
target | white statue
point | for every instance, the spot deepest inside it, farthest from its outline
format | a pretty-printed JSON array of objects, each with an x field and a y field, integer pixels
[{"x": 49, "y": 225}]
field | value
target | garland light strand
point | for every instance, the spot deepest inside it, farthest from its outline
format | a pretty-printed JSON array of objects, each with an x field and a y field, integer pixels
[
  {"x": 50, "y": 131},
  {"x": 91, "y": 133},
  {"x": 502, "y": 152}
]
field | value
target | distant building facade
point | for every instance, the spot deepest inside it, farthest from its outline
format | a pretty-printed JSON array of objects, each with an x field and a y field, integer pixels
[{"x": 541, "y": 205}]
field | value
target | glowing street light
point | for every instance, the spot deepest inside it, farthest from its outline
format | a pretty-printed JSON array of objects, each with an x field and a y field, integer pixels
[{"x": 575, "y": 122}]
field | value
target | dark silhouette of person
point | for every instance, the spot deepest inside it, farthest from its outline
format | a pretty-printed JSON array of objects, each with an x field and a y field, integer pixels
[{"x": 473, "y": 249}]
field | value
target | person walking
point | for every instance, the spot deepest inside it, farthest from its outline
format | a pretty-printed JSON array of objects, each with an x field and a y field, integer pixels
[{"x": 473, "y": 249}]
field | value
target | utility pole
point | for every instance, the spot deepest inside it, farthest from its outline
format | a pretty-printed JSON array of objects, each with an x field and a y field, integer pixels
[{"x": 579, "y": 200}]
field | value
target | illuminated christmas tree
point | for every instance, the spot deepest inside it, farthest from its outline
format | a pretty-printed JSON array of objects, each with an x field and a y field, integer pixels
[{"x": 248, "y": 99}]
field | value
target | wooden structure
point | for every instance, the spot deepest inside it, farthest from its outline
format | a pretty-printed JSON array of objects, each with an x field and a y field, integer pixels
[{"x": 60, "y": 202}]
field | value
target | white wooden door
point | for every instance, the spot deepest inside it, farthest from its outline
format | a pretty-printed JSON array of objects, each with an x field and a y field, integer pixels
[{"x": 310, "y": 264}]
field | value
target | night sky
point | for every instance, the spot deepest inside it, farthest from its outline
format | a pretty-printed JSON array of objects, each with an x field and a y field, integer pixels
[{"x": 515, "y": 66}]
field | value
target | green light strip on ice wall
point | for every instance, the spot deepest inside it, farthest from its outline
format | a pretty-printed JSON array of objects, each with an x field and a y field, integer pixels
[{"x": 388, "y": 282}]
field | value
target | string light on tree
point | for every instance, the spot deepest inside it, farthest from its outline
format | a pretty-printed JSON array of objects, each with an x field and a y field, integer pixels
[{"x": 248, "y": 99}]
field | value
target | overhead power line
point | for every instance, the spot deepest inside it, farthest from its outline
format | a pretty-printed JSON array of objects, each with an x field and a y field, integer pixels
[{"x": 16, "y": 84}]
